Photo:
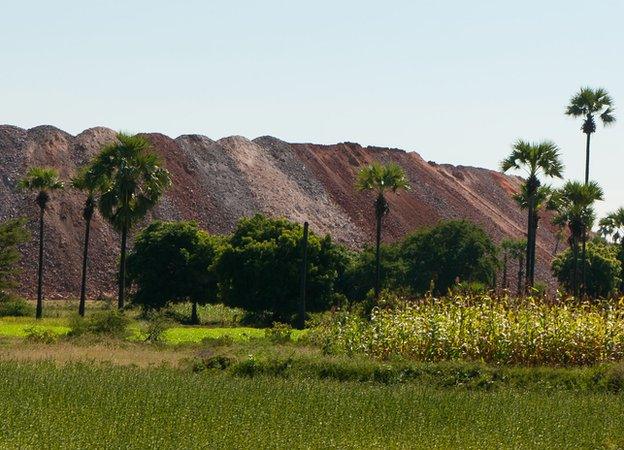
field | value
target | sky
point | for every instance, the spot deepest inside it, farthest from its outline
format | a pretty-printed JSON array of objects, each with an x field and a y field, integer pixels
[{"x": 456, "y": 81}]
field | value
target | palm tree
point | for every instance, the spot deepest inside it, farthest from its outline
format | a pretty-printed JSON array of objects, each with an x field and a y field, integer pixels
[
  {"x": 535, "y": 159},
  {"x": 132, "y": 181},
  {"x": 613, "y": 226},
  {"x": 380, "y": 179},
  {"x": 85, "y": 181},
  {"x": 575, "y": 202},
  {"x": 42, "y": 180},
  {"x": 588, "y": 103}
]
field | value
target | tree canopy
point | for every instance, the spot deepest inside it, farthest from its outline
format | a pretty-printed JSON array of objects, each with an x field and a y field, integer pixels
[{"x": 173, "y": 262}]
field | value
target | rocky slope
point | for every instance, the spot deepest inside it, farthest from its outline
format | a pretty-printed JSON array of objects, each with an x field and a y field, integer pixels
[{"x": 217, "y": 182}]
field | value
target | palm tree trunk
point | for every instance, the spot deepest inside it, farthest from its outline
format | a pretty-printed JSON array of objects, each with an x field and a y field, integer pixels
[
  {"x": 584, "y": 251},
  {"x": 194, "y": 315},
  {"x": 584, "y": 262},
  {"x": 534, "y": 245},
  {"x": 529, "y": 247},
  {"x": 587, "y": 159},
  {"x": 379, "y": 215},
  {"x": 520, "y": 267},
  {"x": 39, "y": 311},
  {"x": 505, "y": 271},
  {"x": 575, "y": 267},
  {"x": 122, "y": 268},
  {"x": 85, "y": 257}
]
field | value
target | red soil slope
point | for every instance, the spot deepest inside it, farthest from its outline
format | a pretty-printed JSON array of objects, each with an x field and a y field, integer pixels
[{"x": 217, "y": 182}]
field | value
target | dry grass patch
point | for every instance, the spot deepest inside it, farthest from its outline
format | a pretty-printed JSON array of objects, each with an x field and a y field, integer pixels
[{"x": 113, "y": 352}]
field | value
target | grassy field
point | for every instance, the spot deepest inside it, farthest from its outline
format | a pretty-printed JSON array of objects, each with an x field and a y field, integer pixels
[
  {"x": 223, "y": 385},
  {"x": 18, "y": 327},
  {"x": 88, "y": 405}
]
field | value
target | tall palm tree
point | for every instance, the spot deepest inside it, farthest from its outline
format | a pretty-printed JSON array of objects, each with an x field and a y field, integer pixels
[
  {"x": 612, "y": 226},
  {"x": 380, "y": 179},
  {"x": 132, "y": 181},
  {"x": 85, "y": 181},
  {"x": 542, "y": 158},
  {"x": 42, "y": 180},
  {"x": 589, "y": 103},
  {"x": 575, "y": 202}
]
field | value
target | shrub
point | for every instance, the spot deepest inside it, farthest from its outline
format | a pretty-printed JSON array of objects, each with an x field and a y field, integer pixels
[
  {"x": 15, "y": 307},
  {"x": 173, "y": 262},
  {"x": 603, "y": 269},
  {"x": 41, "y": 335},
  {"x": 12, "y": 233},
  {"x": 110, "y": 323},
  {"x": 260, "y": 268},
  {"x": 155, "y": 327},
  {"x": 455, "y": 251},
  {"x": 279, "y": 334}
]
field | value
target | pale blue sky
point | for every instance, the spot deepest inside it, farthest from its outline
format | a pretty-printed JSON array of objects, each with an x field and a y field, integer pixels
[{"x": 456, "y": 81}]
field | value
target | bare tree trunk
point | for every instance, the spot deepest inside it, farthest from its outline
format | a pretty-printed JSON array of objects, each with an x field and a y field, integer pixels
[
  {"x": 378, "y": 258},
  {"x": 85, "y": 257},
  {"x": 122, "y": 268},
  {"x": 194, "y": 314},
  {"x": 575, "y": 267},
  {"x": 39, "y": 311}
]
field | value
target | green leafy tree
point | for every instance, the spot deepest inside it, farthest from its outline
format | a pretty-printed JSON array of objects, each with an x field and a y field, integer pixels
[
  {"x": 535, "y": 159},
  {"x": 612, "y": 226},
  {"x": 13, "y": 233},
  {"x": 259, "y": 270},
  {"x": 43, "y": 181},
  {"x": 603, "y": 269},
  {"x": 381, "y": 179},
  {"x": 86, "y": 181},
  {"x": 133, "y": 180},
  {"x": 174, "y": 262},
  {"x": 356, "y": 282},
  {"x": 451, "y": 252},
  {"x": 574, "y": 206}
]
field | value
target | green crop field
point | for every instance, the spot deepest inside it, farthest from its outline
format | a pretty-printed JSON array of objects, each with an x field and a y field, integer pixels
[{"x": 86, "y": 406}]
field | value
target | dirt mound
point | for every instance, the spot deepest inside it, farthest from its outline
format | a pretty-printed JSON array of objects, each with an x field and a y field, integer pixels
[{"x": 218, "y": 182}]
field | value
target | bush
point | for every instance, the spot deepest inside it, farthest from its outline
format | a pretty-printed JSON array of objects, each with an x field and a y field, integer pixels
[
  {"x": 15, "y": 307},
  {"x": 155, "y": 327},
  {"x": 41, "y": 335},
  {"x": 437, "y": 258},
  {"x": 260, "y": 268},
  {"x": 603, "y": 269},
  {"x": 279, "y": 334},
  {"x": 108, "y": 323},
  {"x": 173, "y": 262}
]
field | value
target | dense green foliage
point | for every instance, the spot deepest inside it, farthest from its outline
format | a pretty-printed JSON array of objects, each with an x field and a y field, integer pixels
[
  {"x": 602, "y": 272},
  {"x": 259, "y": 269},
  {"x": 480, "y": 328},
  {"x": 358, "y": 279},
  {"x": 451, "y": 252},
  {"x": 85, "y": 406},
  {"x": 173, "y": 262},
  {"x": 12, "y": 234},
  {"x": 438, "y": 257}
]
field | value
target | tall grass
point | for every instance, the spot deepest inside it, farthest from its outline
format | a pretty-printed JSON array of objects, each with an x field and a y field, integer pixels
[
  {"x": 502, "y": 331},
  {"x": 88, "y": 406}
]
